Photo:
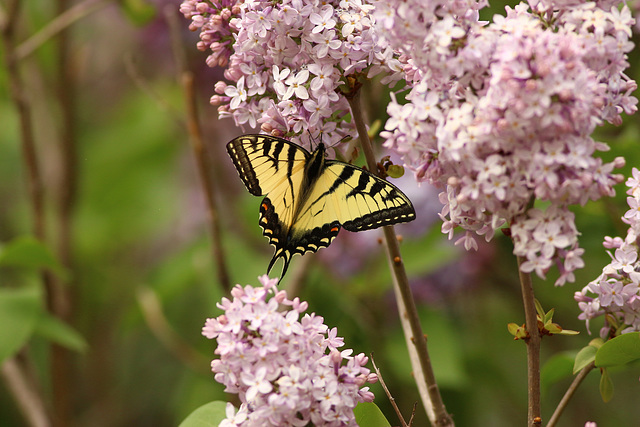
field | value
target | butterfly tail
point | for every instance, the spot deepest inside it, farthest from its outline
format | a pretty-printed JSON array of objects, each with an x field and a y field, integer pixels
[{"x": 286, "y": 257}]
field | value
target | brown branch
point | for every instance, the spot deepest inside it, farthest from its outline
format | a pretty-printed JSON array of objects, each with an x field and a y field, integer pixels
[
  {"x": 533, "y": 347},
  {"x": 62, "y": 386},
  {"x": 25, "y": 392},
  {"x": 65, "y": 19},
  {"x": 19, "y": 97},
  {"x": 420, "y": 359},
  {"x": 569, "y": 394},
  {"x": 201, "y": 155}
]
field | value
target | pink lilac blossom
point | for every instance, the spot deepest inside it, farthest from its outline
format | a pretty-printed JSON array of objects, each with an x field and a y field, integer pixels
[
  {"x": 615, "y": 294},
  {"x": 285, "y": 369},
  {"x": 500, "y": 115},
  {"x": 286, "y": 61}
]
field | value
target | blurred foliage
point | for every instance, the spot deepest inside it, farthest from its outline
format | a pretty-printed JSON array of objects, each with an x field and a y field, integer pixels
[{"x": 140, "y": 223}]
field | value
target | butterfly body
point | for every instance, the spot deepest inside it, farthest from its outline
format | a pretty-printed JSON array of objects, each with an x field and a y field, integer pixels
[{"x": 308, "y": 198}]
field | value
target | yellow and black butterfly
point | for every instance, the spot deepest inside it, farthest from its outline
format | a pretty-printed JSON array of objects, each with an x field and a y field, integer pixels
[{"x": 309, "y": 198}]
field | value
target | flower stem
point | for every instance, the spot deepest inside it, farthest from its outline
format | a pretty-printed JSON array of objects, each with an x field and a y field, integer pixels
[
  {"x": 420, "y": 359},
  {"x": 205, "y": 168},
  {"x": 569, "y": 394},
  {"x": 533, "y": 347}
]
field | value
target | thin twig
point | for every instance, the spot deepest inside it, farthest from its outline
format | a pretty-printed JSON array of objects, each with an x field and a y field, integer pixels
[
  {"x": 205, "y": 168},
  {"x": 159, "y": 325},
  {"x": 66, "y": 93},
  {"x": 58, "y": 24},
  {"x": 533, "y": 347},
  {"x": 413, "y": 413},
  {"x": 425, "y": 377},
  {"x": 388, "y": 393},
  {"x": 25, "y": 393},
  {"x": 16, "y": 87},
  {"x": 569, "y": 394}
]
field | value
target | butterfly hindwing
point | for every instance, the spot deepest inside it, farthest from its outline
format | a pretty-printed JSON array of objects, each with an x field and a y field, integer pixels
[
  {"x": 287, "y": 242},
  {"x": 357, "y": 199},
  {"x": 308, "y": 199}
]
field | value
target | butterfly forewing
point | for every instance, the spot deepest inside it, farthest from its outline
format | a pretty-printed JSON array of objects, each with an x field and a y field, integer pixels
[{"x": 265, "y": 163}]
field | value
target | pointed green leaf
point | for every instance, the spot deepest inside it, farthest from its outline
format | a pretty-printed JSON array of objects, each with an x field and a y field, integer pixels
[
  {"x": 557, "y": 368},
  {"x": 606, "y": 386},
  {"x": 619, "y": 350},
  {"x": 539, "y": 309},
  {"x": 568, "y": 332},
  {"x": 20, "y": 309},
  {"x": 584, "y": 357},
  {"x": 29, "y": 252},
  {"x": 548, "y": 317},
  {"x": 55, "y": 330},
  {"x": 368, "y": 414},
  {"x": 208, "y": 415},
  {"x": 553, "y": 328}
]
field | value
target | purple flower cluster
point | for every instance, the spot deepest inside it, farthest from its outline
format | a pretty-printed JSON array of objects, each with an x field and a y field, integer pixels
[
  {"x": 286, "y": 371},
  {"x": 500, "y": 115},
  {"x": 615, "y": 294},
  {"x": 287, "y": 59}
]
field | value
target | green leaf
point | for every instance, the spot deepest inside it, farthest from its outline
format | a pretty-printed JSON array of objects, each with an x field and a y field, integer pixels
[
  {"x": 518, "y": 331},
  {"x": 368, "y": 414},
  {"x": 208, "y": 415},
  {"x": 606, "y": 386},
  {"x": 619, "y": 350},
  {"x": 557, "y": 368},
  {"x": 584, "y": 357},
  {"x": 29, "y": 252},
  {"x": 20, "y": 310},
  {"x": 55, "y": 330},
  {"x": 395, "y": 171},
  {"x": 539, "y": 309}
]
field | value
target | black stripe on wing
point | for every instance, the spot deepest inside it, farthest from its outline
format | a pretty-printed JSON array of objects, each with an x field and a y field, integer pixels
[
  {"x": 370, "y": 201},
  {"x": 263, "y": 161},
  {"x": 238, "y": 151}
]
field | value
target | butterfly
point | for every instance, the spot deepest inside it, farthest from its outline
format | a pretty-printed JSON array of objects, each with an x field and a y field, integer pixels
[{"x": 309, "y": 198}]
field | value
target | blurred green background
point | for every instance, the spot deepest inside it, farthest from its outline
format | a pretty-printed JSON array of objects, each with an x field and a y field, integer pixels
[{"x": 142, "y": 279}]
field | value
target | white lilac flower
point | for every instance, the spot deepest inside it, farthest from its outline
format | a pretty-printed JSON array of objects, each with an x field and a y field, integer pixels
[
  {"x": 292, "y": 50},
  {"x": 615, "y": 294},
  {"x": 511, "y": 109},
  {"x": 285, "y": 370}
]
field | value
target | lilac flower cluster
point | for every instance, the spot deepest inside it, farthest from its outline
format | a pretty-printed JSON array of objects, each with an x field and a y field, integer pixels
[
  {"x": 615, "y": 294},
  {"x": 287, "y": 59},
  {"x": 279, "y": 365},
  {"x": 500, "y": 115}
]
